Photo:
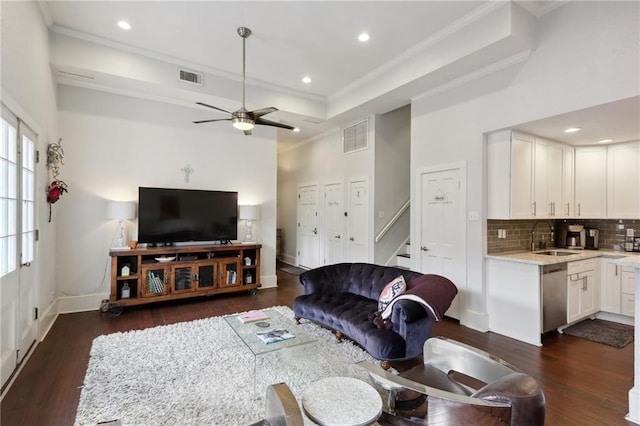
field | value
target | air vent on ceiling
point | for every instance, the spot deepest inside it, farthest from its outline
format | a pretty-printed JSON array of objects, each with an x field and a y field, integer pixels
[
  {"x": 355, "y": 136},
  {"x": 192, "y": 77}
]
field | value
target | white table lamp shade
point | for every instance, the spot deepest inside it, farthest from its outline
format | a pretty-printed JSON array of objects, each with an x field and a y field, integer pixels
[
  {"x": 121, "y": 210},
  {"x": 249, "y": 212}
]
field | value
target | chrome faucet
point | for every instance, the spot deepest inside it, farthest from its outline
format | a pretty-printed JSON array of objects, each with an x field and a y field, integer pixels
[{"x": 542, "y": 244}]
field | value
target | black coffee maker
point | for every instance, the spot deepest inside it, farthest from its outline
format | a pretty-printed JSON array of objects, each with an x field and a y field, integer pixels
[{"x": 592, "y": 238}]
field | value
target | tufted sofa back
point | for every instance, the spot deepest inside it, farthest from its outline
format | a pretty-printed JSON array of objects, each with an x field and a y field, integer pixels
[{"x": 364, "y": 279}]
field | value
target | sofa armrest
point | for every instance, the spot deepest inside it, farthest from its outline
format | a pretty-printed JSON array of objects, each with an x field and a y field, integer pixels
[{"x": 407, "y": 311}]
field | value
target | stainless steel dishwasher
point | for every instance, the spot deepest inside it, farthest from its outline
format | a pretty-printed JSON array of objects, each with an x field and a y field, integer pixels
[{"x": 554, "y": 296}]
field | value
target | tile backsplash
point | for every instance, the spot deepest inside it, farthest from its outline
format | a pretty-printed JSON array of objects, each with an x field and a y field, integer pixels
[{"x": 518, "y": 232}]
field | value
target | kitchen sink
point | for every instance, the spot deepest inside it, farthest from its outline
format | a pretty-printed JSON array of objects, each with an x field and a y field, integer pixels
[{"x": 555, "y": 253}]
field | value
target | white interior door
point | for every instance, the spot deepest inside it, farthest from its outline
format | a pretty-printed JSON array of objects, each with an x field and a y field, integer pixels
[
  {"x": 358, "y": 215},
  {"x": 17, "y": 242},
  {"x": 308, "y": 240},
  {"x": 443, "y": 228},
  {"x": 334, "y": 223}
]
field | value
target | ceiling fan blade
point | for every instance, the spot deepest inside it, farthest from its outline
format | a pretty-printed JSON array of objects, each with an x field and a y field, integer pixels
[
  {"x": 211, "y": 106},
  {"x": 210, "y": 121},
  {"x": 264, "y": 111},
  {"x": 273, "y": 123},
  {"x": 247, "y": 132}
]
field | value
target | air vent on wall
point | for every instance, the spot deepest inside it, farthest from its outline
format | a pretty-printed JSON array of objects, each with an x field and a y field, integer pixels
[
  {"x": 192, "y": 77},
  {"x": 355, "y": 136}
]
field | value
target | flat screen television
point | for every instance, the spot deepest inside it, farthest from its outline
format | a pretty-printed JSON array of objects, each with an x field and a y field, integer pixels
[{"x": 167, "y": 216}]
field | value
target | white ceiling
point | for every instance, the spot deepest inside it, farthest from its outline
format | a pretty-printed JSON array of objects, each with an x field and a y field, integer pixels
[{"x": 292, "y": 39}]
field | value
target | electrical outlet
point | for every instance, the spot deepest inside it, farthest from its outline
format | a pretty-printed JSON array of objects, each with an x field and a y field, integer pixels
[{"x": 502, "y": 233}]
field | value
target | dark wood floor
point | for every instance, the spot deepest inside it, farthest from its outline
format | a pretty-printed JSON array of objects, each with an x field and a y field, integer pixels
[{"x": 585, "y": 383}]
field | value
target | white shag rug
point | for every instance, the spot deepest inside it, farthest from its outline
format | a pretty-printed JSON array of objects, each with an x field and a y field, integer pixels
[{"x": 200, "y": 373}]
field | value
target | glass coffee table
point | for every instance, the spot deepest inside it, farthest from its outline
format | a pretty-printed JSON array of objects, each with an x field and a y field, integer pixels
[{"x": 273, "y": 362}]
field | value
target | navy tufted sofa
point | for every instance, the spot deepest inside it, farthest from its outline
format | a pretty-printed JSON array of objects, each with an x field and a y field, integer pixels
[{"x": 342, "y": 296}]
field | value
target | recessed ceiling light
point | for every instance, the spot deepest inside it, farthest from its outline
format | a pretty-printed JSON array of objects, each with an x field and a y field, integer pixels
[
  {"x": 306, "y": 79},
  {"x": 296, "y": 129},
  {"x": 572, "y": 129},
  {"x": 605, "y": 140},
  {"x": 124, "y": 25},
  {"x": 364, "y": 37}
]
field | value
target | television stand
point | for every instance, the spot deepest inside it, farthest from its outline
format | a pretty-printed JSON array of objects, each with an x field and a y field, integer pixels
[{"x": 154, "y": 274}]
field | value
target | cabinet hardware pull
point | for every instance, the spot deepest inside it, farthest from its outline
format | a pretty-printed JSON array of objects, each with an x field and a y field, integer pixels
[
  {"x": 550, "y": 209},
  {"x": 578, "y": 209},
  {"x": 424, "y": 248},
  {"x": 568, "y": 209},
  {"x": 337, "y": 237},
  {"x": 352, "y": 239},
  {"x": 534, "y": 208}
]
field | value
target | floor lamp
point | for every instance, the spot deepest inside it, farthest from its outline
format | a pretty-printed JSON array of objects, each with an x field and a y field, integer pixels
[
  {"x": 249, "y": 213},
  {"x": 121, "y": 210}
]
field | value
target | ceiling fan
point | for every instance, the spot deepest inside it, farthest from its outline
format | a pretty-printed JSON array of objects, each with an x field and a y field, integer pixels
[{"x": 243, "y": 119}]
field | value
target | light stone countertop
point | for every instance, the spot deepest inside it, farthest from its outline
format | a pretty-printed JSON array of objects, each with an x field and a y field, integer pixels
[{"x": 626, "y": 258}]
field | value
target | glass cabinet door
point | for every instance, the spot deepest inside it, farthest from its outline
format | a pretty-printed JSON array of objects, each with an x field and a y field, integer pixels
[
  {"x": 184, "y": 279},
  {"x": 230, "y": 273},
  {"x": 154, "y": 281},
  {"x": 206, "y": 276}
]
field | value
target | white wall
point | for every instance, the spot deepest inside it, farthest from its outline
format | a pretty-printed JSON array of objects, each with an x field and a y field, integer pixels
[
  {"x": 114, "y": 144},
  {"x": 28, "y": 91},
  {"x": 318, "y": 161},
  {"x": 587, "y": 54},
  {"x": 392, "y": 180}
]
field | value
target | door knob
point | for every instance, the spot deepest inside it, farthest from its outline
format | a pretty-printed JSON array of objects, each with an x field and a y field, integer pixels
[
  {"x": 424, "y": 248},
  {"x": 337, "y": 237},
  {"x": 315, "y": 231},
  {"x": 352, "y": 239},
  {"x": 26, "y": 264}
]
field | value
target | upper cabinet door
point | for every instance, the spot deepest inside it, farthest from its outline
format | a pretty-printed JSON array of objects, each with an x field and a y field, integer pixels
[
  {"x": 623, "y": 181},
  {"x": 548, "y": 179},
  {"x": 591, "y": 182},
  {"x": 510, "y": 175},
  {"x": 522, "y": 206}
]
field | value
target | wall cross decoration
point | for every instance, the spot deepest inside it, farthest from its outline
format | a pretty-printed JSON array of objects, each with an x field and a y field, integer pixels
[{"x": 187, "y": 170}]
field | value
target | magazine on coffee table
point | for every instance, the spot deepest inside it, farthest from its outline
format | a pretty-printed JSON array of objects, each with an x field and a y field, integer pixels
[
  {"x": 274, "y": 335},
  {"x": 252, "y": 316}
]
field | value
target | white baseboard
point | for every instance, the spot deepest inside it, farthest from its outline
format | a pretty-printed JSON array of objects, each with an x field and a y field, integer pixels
[
  {"x": 46, "y": 319},
  {"x": 89, "y": 302},
  {"x": 291, "y": 260},
  {"x": 476, "y": 320},
  {"x": 269, "y": 281},
  {"x": 620, "y": 319}
]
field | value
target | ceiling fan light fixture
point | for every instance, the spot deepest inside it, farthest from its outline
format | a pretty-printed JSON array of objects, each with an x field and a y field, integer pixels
[{"x": 241, "y": 123}]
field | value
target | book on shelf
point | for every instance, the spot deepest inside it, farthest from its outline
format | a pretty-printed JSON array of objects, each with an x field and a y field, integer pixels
[
  {"x": 274, "y": 335},
  {"x": 252, "y": 316}
]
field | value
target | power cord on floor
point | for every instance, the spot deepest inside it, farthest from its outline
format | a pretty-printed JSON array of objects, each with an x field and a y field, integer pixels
[{"x": 110, "y": 308}]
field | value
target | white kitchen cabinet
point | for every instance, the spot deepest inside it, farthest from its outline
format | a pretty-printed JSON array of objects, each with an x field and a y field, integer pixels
[
  {"x": 514, "y": 300},
  {"x": 591, "y": 182},
  {"x": 582, "y": 295},
  {"x": 548, "y": 177},
  {"x": 610, "y": 290},
  {"x": 623, "y": 180},
  {"x": 510, "y": 175},
  {"x": 528, "y": 177},
  {"x": 628, "y": 297},
  {"x": 567, "y": 208}
]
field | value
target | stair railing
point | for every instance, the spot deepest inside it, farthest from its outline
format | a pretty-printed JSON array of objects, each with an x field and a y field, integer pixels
[{"x": 393, "y": 220}]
